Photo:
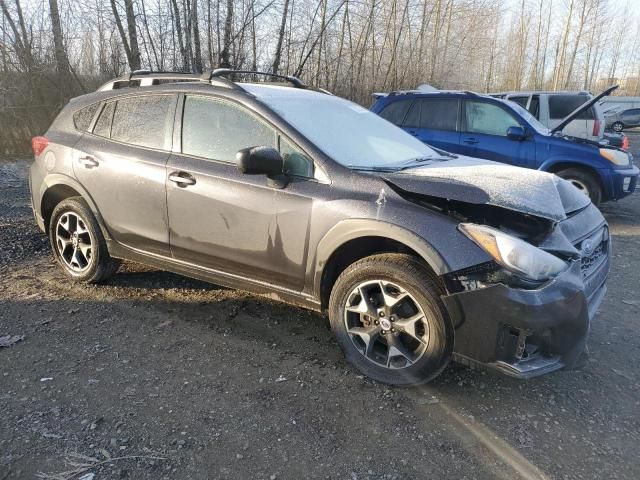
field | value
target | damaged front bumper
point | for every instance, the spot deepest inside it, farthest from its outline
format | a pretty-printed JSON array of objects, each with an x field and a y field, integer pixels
[{"x": 525, "y": 333}]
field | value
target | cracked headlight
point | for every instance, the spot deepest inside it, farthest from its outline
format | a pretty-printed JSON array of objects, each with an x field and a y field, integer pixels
[
  {"x": 616, "y": 157},
  {"x": 514, "y": 254}
]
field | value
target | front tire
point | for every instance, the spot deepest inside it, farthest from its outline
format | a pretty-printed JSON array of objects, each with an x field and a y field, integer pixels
[
  {"x": 78, "y": 244},
  {"x": 386, "y": 313},
  {"x": 583, "y": 181},
  {"x": 617, "y": 127}
]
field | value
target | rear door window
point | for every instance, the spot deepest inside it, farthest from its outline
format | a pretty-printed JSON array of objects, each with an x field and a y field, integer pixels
[
  {"x": 487, "y": 118},
  {"x": 396, "y": 111},
  {"x": 217, "y": 129},
  {"x": 562, "y": 105},
  {"x": 145, "y": 121},
  {"x": 438, "y": 113}
]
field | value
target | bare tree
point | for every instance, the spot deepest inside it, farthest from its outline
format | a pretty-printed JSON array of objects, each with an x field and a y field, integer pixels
[
  {"x": 283, "y": 25},
  {"x": 225, "y": 54},
  {"x": 130, "y": 42}
]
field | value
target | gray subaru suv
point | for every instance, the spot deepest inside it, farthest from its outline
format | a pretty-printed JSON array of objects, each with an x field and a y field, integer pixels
[{"x": 418, "y": 256}]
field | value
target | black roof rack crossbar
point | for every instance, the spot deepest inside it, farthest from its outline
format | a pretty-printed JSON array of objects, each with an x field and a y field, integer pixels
[
  {"x": 223, "y": 72},
  {"x": 208, "y": 77}
]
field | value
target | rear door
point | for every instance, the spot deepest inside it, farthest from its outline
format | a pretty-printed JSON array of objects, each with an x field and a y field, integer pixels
[
  {"x": 121, "y": 162},
  {"x": 484, "y": 132},
  {"x": 435, "y": 122}
]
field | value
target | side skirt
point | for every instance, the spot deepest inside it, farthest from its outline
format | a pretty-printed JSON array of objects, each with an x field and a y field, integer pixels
[{"x": 217, "y": 277}]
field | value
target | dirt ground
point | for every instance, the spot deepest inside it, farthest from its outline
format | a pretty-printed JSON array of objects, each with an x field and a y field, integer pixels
[{"x": 157, "y": 376}]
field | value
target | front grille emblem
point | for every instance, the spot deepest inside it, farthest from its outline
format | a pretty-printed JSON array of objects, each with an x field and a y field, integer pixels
[{"x": 588, "y": 247}]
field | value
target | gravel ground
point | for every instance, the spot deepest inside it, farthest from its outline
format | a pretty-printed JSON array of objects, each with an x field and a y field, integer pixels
[{"x": 157, "y": 376}]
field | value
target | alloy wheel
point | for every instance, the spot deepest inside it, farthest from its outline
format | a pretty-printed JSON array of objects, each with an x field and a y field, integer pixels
[
  {"x": 74, "y": 242},
  {"x": 386, "y": 324}
]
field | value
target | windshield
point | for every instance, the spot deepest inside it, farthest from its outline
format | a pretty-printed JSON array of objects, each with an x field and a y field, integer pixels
[
  {"x": 531, "y": 120},
  {"x": 351, "y": 135}
]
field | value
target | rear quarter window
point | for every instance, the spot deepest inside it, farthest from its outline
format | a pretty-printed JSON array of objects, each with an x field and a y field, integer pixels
[
  {"x": 562, "y": 105},
  {"x": 82, "y": 118},
  {"x": 396, "y": 111}
]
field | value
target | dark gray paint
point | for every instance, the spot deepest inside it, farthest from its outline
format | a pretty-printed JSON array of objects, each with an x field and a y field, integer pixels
[{"x": 235, "y": 230}]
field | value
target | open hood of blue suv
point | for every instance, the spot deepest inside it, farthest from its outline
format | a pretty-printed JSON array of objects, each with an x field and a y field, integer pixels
[
  {"x": 476, "y": 181},
  {"x": 582, "y": 108}
]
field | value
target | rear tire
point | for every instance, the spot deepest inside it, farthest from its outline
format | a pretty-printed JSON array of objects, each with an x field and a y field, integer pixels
[
  {"x": 78, "y": 244},
  {"x": 407, "y": 339},
  {"x": 583, "y": 181},
  {"x": 617, "y": 127}
]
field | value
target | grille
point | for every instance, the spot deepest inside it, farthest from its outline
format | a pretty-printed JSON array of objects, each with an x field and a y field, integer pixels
[{"x": 592, "y": 262}]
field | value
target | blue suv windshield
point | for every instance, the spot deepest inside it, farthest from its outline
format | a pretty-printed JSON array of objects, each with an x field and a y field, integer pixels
[{"x": 351, "y": 135}]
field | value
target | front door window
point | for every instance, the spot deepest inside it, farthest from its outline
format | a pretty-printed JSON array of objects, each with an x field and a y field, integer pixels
[{"x": 487, "y": 118}]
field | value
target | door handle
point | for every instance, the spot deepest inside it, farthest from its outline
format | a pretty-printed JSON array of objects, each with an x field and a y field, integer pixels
[
  {"x": 88, "y": 162},
  {"x": 182, "y": 179},
  {"x": 471, "y": 141}
]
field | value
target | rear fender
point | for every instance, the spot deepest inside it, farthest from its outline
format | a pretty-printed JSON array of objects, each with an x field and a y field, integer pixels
[{"x": 56, "y": 179}]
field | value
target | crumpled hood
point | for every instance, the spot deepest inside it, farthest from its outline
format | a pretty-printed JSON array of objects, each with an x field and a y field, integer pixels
[{"x": 477, "y": 181}]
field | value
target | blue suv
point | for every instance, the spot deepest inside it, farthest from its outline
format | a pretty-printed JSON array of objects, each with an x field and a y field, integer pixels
[{"x": 480, "y": 126}]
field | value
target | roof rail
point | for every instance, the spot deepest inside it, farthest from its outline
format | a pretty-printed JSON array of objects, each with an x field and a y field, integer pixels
[
  {"x": 147, "y": 77},
  {"x": 223, "y": 72},
  {"x": 144, "y": 71},
  {"x": 216, "y": 77}
]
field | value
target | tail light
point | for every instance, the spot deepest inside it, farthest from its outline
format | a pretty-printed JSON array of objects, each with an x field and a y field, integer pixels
[
  {"x": 596, "y": 128},
  {"x": 38, "y": 144},
  {"x": 625, "y": 143}
]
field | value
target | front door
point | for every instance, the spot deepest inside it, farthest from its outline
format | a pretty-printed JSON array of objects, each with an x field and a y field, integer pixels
[
  {"x": 220, "y": 218},
  {"x": 484, "y": 133},
  {"x": 121, "y": 162}
]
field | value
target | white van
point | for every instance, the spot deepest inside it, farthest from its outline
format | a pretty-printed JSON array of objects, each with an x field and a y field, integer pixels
[{"x": 551, "y": 107}]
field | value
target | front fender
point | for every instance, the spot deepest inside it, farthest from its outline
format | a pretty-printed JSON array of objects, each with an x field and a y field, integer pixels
[
  {"x": 572, "y": 162},
  {"x": 350, "y": 229}
]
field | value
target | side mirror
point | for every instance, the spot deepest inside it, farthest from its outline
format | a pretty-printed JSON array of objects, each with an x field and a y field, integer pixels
[
  {"x": 262, "y": 161},
  {"x": 516, "y": 133}
]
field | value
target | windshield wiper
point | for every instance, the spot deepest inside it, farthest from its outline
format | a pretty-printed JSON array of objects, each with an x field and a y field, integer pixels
[
  {"x": 414, "y": 162},
  {"x": 411, "y": 163},
  {"x": 373, "y": 168}
]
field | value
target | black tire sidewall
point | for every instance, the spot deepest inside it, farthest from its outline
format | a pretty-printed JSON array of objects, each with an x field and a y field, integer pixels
[
  {"x": 440, "y": 344},
  {"x": 593, "y": 187},
  {"x": 78, "y": 206},
  {"x": 620, "y": 127}
]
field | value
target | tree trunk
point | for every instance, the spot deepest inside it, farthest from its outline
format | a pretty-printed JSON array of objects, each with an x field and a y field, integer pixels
[
  {"x": 134, "y": 61},
  {"x": 197, "y": 59},
  {"x": 123, "y": 35},
  {"x": 226, "y": 48},
  {"x": 183, "y": 52},
  {"x": 283, "y": 26}
]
